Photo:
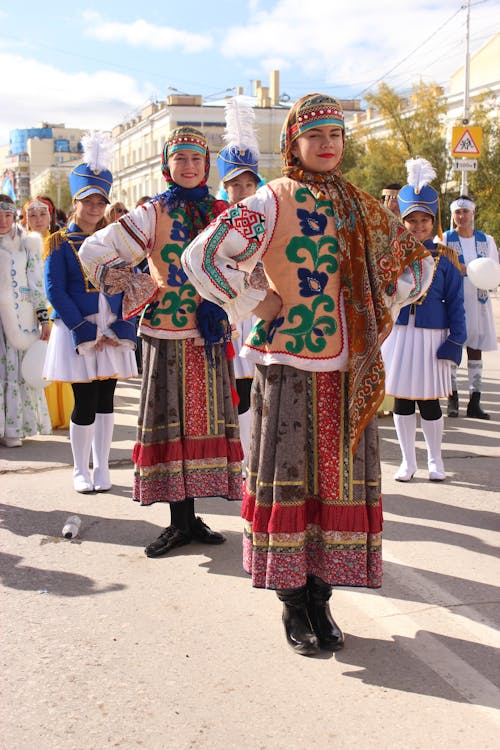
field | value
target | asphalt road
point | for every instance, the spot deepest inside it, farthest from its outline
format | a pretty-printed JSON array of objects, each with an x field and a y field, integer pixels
[{"x": 102, "y": 647}]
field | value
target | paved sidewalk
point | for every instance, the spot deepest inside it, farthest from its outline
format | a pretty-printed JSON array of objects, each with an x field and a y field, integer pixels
[{"x": 103, "y": 647}]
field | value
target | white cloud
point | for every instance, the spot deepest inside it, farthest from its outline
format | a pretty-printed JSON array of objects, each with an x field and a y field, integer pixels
[
  {"x": 39, "y": 93},
  {"x": 140, "y": 33},
  {"x": 354, "y": 43}
]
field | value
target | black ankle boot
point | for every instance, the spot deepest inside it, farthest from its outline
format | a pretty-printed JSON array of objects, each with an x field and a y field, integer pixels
[
  {"x": 330, "y": 636},
  {"x": 298, "y": 629},
  {"x": 473, "y": 408},
  {"x": 453, "y": 404}
]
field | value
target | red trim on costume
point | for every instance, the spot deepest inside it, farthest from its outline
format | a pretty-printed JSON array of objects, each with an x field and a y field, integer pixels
[
  {"x": 293, "y": 519},
  {"x": 187, "y": 450}
]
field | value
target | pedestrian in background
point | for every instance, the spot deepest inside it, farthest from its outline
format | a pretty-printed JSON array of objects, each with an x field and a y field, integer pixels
[
  {"x": 428, "y": 336},
  {"x": 39, "y": 215},
  {"x": 23, "y": 321},
  {"x": 91, "y": 344},
  {"x": 390, "y": 197},
  {"x": 470, "y": 244},
  {"x": 115, "y": 211}
]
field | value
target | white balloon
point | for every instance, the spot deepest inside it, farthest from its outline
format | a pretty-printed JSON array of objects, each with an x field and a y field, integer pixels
[
  {"x": 484, "y": 273},
  {"x": 32, "y": 365}
]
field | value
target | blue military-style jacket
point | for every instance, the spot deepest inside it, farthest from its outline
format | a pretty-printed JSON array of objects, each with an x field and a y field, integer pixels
[{"x": 72, "y": 295}]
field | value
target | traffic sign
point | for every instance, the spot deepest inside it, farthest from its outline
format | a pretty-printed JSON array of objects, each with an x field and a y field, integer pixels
[
  {"x": 466, "y": 141},
  {"x": 465, "y": 165}
]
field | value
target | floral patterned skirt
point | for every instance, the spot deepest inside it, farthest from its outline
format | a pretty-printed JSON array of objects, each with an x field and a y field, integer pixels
[
  {"x": 310, "y": 506},
  {"x": 187, "y": 437}
]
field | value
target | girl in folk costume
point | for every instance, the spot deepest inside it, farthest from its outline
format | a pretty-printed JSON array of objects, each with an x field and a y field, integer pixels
[
  {"x": 39, "y": 215},
  {"x": 238, "y": 165},
  {"x": 23, "y": 321},
  {"x": 428, "y": 336},
  {"x": 91, "y": 345},
  {"x": 470, "y": 244},
  {"x": 187, "y": 439},
  {"x": 330, "y": 252}
]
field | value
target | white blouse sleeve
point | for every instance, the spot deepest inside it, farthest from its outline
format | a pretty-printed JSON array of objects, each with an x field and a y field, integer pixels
[
  {"x": 220, "y": 259},
  {"x": 123, "y": 243}
]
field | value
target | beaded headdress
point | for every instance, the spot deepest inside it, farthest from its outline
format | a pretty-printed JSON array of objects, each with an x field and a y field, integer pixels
[
  {"x": 93, "y": 176},
  {"x": 182, "y": 139},
  {"x": 312, "y": 110},
  {"x": 8, "y": 206}
]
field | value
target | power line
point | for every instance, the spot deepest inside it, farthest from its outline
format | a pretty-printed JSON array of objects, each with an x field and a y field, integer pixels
[{"x": 358, "y": 96}]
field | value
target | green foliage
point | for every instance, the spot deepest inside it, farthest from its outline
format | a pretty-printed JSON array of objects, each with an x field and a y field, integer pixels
[
  {"x": 414, "y": 126},
  {"x": 485, "y": 183},
  {"x": 57, "y": 188}
]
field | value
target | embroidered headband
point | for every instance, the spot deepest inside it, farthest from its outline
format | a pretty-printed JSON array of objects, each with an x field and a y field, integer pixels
[
  {"x": 38, "y": 204},
  {"x": 311, "y": 111},
  {"x": 6, "y": 206},
  {"x": 463, "y": 203},
  {"x": 181, "y": 139}
]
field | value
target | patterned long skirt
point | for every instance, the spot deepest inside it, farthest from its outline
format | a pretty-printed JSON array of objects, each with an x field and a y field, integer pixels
[
  {"x": 310, "y": 506},
  {"x": 187, "y": 437}
]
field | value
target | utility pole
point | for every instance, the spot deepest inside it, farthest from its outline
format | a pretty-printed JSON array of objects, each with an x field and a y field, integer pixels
[{"x": 465, "y": 121}]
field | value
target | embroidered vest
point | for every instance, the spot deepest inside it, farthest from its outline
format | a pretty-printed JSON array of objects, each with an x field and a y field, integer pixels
[
  {"x": 302, "y": 265},
  {"x": 172, "y": 314},
  {"x": 453, "y": 240}
]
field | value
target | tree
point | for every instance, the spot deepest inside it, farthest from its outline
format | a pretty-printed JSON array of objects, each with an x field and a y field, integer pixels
[
  {"x": 414, "y": 126},
  {"x": 56, "y": 186},
  {"x": 485, "y": 183}
]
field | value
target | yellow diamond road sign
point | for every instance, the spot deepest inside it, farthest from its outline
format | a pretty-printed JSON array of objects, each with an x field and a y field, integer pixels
[{"x": 466, "y": 141}]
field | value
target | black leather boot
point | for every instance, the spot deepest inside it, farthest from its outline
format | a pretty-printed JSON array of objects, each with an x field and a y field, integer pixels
[
  {"x": 473, "y": 408},
  {"x": 330, "y": 636},
  {"x": 298, "y": 629},
  {"x": 453, "y": 404},
  {"x": 177, "y": 534}
]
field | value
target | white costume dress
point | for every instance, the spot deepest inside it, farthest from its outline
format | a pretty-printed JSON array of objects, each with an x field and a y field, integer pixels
[
  {"x": 481, "y": 332},
  {"x": 23, "y": 409}
]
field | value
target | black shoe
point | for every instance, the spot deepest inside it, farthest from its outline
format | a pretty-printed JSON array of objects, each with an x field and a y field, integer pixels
[
  {"x": 169, "y": 538},
  {"x": 298, "y": 629},
  {"x": 473, "y": 408},
  {"x": 200, "y": 532},
  {"x": 453, "y": 404},
  {"x": 330, "y": 636}
]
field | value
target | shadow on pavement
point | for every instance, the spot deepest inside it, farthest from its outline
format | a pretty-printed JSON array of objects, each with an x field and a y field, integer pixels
[
  {"x": 15, "y": 575},
  {"x": 395, "y": 664}
]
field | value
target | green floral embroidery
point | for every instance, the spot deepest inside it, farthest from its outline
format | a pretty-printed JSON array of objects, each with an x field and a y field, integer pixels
[
  {"x": 323, "y": 252},
  {"x": 182, "y": 299},
  {"x": 303, "y": 194},
  {"x": 313, "y": 327}
]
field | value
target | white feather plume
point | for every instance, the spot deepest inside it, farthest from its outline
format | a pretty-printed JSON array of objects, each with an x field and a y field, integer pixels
[
  {"x": 240, "y": 132},
  {"x": 420, "y": 173},
  {"x": 97, "y": 150}
]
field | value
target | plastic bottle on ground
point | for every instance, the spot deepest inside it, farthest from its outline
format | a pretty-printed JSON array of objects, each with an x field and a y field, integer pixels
[{"x": 71, "y": 527}]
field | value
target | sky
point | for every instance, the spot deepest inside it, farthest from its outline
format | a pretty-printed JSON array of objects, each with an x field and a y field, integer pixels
[{"x": 92, "y": 65}]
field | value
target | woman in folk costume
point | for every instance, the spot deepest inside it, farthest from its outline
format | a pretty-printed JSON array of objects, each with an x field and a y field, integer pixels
[
  {"x": 187, "y": 440},
  {"x": 427, "y": 336},
  {"x": 312, "y": 504},
  {"x": 39, "y": 215},
  {"x": 91, "y": 345},
  {"x": 23, "y": 321},
  {"x": 238, "y": 165},
  {"x": 470, "y": 244}
]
